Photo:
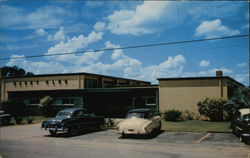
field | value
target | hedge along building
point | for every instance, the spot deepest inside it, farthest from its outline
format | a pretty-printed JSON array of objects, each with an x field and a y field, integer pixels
[
  {"x": 184, "y": 93},
  {"x": 103, "y": 95},
  {"x": 113, "y": 96}
]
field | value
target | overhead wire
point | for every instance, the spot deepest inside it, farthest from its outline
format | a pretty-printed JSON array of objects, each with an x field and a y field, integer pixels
[{"x": 128, "y": 47}]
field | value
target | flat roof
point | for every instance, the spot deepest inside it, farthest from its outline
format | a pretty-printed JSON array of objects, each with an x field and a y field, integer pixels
[
  {"x": 73, "y": 74},
  {"x": 199, "y": 78}
]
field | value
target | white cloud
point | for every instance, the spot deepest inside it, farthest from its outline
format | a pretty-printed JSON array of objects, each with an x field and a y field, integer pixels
[
  {"x": 241, "y": 77},
  {"x": 117, "y": 53},
  {"x": 204, "y": 63},
  {"x": 134, "y": 21},
  {"x": 41, "y": 32},
  {"x": 212, "y": 72},
  {"x": 36, "y": 67},
  {"x": 99, "y": 26},
  {"x": 172, "y": 67},
  {"x": 214, "y": 28},
  {"x": 43, "y": 17},
  {"x": 72, "y": 45},
  {"x": 241, "y": 64},
  {"x": 58, "y": 36}
]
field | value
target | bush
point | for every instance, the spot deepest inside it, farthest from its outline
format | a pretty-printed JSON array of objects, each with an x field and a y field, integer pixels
[
  {"x": 212, "y": 108},
  {"x": 188, "y": 115},
  {"x": 29, "y": 119},
  {"x": 172, "y": 115},
  {"x": 18, "y": 119}
]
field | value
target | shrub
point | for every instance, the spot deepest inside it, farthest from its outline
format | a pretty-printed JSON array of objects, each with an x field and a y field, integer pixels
[
  {"x": 212, "y": 108},
  {"x": 188, "y": 115},
  {"x": 29, "y": 119},
  {"x": 46, "y": 106},
  {"x": 172, "y": 115},
  {"x": 18, "y": 119}
]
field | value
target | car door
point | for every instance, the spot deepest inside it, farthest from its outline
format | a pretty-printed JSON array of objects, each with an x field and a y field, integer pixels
[{"x": 156, "y": 120}]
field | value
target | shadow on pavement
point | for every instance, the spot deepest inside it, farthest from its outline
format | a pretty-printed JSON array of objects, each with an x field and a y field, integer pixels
[
  {"x": 69, "y": 135},
  {"x": 137, "y": 136}
]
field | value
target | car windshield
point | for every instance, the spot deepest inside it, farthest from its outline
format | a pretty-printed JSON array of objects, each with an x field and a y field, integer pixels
[
  {"x": 63, "y": 114},
  {"x": 246, "y": 117},
  {"x": 135, "y": 115}
]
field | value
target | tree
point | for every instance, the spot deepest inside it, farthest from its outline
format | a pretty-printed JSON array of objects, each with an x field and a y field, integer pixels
[
  {"x": 46, "y": 106},
  {"x": 8, "y": 71},
  {"x": 212, "y": 108},
  {"x": 240, "y": 99}
]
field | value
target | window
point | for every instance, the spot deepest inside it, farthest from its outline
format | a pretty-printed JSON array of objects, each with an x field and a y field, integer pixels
[
  {"x": 25, "y": 82},
  {"x": 150, "y": 101},
  {"x": 47, "y": 82},
  {"x": 20, "y": 83},
  {"x": 14, "y": 83},
  {"x": 90, "y": 83},
  {"x": 59, "y": 81},
  {"x": 37, "y": 82},
  {"x": 53, "y": 82},
  {"x": 31, "y": 83},
  {"x": 66, "y": 81}
]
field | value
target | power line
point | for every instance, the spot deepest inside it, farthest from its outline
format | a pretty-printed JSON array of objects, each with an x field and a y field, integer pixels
[{"x": 129, "y": 47}]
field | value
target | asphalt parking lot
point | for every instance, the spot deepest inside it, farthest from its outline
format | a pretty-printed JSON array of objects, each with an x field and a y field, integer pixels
[{"x": 28, "y": 141}]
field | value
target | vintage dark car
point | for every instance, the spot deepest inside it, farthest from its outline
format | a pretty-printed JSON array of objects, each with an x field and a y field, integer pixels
[
  {"x": 4, "y": 118},
  {"x": 72, "y": 121},
  {"x": 241, "y": 125}
]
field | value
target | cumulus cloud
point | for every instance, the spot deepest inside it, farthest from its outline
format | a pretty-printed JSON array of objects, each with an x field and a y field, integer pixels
[
  {"x": 60, "y": 35},
  {"x": 36, "y": 67},
  {"x": 41, "y": 32},
  {"x": 204, "y": 63},
  {"x": 99, "y": 26},
  {"x": 214, "y": 28},
  {"x": 133, "y": 21},
  {"x": 172, "y": 67},
  {"x": 72, "y": 45}
]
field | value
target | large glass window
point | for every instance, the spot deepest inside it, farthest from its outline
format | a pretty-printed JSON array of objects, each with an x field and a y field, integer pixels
[{"x": 90, "y": 83}]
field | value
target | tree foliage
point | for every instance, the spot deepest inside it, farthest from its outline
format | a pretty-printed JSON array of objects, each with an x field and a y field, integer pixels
[
  {"x": 240, "y": 99},
  {"x": 212, "y": 108},
  {"x": 8, "y": 71},
  {"x": 46, "y": 106}
]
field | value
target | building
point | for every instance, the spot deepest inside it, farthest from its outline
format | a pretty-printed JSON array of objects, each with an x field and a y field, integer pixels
[
  {"x": 103, "y": 95},
  {"x": 184, "y": 93},
  {"x": 114, "y": 96}
]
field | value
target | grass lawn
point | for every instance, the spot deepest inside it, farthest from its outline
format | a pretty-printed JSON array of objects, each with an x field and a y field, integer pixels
[{"x": 196, "y": 126}]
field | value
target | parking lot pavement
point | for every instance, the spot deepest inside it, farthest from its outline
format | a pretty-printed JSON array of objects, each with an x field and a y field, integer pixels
[{"x": 29, "y": 141}]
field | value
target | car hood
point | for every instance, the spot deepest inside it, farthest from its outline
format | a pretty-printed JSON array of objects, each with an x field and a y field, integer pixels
[
  {"x": 134, "y": 123},
  {"x": 55, "y": 120}
]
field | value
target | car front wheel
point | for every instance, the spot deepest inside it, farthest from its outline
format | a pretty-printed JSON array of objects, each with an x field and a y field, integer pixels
[{"x": 52, "y": 133}]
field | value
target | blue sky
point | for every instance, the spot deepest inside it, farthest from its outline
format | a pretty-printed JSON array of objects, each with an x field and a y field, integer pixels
[{"x": 48, "y": 27}]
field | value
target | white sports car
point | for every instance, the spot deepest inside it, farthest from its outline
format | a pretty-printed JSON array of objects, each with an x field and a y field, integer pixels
[{"x": 139, "y": 121}]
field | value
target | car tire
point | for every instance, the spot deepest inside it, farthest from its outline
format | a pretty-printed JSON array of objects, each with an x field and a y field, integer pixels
[
  {"x": 52, "y": 133},
  {"x": 74, "y": 131}
]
